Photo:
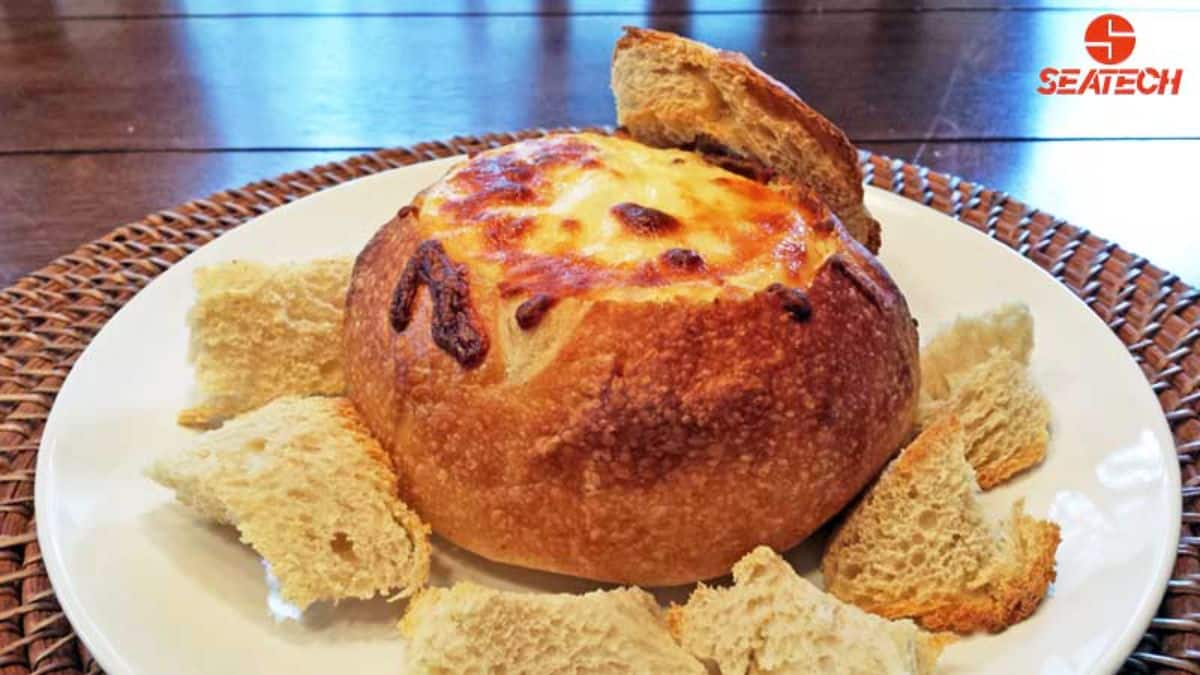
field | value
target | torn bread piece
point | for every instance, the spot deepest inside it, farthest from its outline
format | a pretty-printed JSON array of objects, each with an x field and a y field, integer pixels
[
  {"x": 263, "y": 331},
  {"x": 675, "y": 92},
  {"x": 919, "y": 545},
  {"x": 773, "y": 621},
  {"x": 472, "y": 629},
  {"x": 313, "y": 493},
  {"x": 1004, "y": 416},
  {"x": 970, "y": 340},
  {"x": 977, "y": 370}
]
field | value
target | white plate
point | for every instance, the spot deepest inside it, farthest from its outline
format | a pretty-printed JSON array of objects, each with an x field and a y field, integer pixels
[{"x": 150, "y": 590}]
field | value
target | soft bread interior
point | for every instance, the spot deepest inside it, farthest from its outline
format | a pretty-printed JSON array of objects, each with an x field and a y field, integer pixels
[
  {"x": 1004, "y": 416},
  {"x": 472, "y": 629},
  {"x": 970, "y": 340},
  {"x": 977, "y": 370},
  {"x": 259, "y": 332},
  {"x": 314, "y": 494},
  {"x": 919, "y": 545},
  {"x": 774, "y": 621}
]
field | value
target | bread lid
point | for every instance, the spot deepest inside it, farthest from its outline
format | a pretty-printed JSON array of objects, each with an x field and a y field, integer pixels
[{"x": 674, "y": 92}]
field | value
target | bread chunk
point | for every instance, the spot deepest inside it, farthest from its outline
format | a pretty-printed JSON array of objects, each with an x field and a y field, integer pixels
[
  {"x": 261, "y": 331},
  {"x": 311, "y": 491},
  {"x": 1005, "y": 419},
  {"x": 919, "y": 545},
  {"x": 970, "y": 340},
  {"x": 977, "y": 370},
  {"x": 772, "y": 621},
  {"x": 675, "y": 92},
  {"x": 471, "y": 629}
]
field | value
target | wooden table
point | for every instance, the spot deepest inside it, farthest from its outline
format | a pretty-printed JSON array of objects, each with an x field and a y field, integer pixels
[{"x": 110, "y": 109}]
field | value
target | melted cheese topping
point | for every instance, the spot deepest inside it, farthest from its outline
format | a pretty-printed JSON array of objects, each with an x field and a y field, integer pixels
[{"x": 538, "y": 217}]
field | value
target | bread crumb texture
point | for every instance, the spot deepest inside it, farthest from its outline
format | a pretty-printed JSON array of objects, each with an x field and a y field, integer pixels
[
  {"x": 970, "y": 340},
  {"x": 977, "y": 371},
  {"x": 774, "y": 621},
  {"x": 313, "y": 493},
  {"x": 263, "y": 331},
  {"x": 471, "y": 629},
  {"x": 919, "y": 545}
]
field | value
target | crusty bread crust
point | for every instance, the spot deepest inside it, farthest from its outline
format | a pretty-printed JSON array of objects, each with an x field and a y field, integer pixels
[
  {"x": 661, "y": 442},
  {"x": 671, "y": 91}
]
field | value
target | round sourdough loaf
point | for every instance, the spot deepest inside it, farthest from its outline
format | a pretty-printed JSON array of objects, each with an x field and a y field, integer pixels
[{"x": 594, "y": 357}]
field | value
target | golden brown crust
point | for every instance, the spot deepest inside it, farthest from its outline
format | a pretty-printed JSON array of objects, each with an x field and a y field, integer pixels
[
  {"x": 1010, "y": 599},
  {"x": 1014, "y": 599},
  {"x": 1024, "y": 459},
  {"x": 675, "y": 619},
  {"x": 661, "y": 443},
  {"x": 781, "y": 106}
]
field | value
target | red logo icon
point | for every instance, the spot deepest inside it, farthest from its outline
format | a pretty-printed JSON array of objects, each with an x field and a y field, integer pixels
[{"x": 1109, "y": 39}]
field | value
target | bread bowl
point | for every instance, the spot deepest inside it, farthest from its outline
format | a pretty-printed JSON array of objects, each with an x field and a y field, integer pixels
[{"x": 591, "y": 356}]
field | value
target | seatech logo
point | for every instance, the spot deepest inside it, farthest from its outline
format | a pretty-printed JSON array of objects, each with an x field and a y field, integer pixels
[{"x": 1109, "y": 39}]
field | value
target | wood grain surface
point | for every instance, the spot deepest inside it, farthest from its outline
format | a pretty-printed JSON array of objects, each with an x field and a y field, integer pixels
[{"x": 110, "y": 109}]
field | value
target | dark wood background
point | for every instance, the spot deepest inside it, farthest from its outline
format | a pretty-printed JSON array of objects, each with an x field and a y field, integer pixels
[{"x": 110, "y": 109}]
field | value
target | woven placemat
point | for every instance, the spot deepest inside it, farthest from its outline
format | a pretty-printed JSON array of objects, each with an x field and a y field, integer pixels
[{"x": 48, "y": 318}]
